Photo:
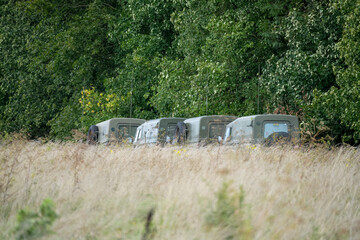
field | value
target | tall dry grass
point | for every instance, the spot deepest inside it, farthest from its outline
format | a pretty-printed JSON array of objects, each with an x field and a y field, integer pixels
[{"x": 113, "y": 192}]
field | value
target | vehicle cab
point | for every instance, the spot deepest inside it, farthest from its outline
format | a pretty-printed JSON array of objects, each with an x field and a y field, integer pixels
[
  {"x": 265, "y": 129},
  {"x": 157, "y": 131}
]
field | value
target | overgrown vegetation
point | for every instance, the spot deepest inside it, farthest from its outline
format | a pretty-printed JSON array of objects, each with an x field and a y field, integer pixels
[
  {"x": 229, "y": 216},
  {"x": 32, "y": 225},
  {"x": 214, "y": 192},
  {"x": 67, "y": 64}
]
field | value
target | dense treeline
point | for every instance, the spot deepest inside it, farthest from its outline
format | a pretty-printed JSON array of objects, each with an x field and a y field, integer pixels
[{"x": 66, "y": 64}]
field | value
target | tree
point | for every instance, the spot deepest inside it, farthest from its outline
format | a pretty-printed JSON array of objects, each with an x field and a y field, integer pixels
[
  {"x": 339, "y": 107},
  {"x": 142, "y": 34},
  {"x": 221, "y": 48},
  {"x": 310, "y": 32},
  {"x": 50, "y": 51}
]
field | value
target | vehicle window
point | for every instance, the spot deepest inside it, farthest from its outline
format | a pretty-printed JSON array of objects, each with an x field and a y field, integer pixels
[
  {"x": 216, "y": 129},
  {"x": 133, "y": 129},
  {"x": 126, "y": 131},
  {"x": 170, "y": 131},
  {"x": 123, "y": 131},
  {"x": 272, "y": 127}
]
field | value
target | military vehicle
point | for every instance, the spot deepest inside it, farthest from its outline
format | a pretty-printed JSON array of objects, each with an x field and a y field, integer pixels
[
  {"x": 157, "y": 131},
  {"x": 267, "y": 129},
  {"x": 114, "y": 130},
  {"x": 202, "y": 130}
]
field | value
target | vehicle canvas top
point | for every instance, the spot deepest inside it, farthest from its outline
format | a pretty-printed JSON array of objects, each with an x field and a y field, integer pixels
[
  {"x": 113, "y": 121},
  {"x": 207, "y": 127},
  {"x": 156, "y": 131},
  {"x": 118, "y": 128},
  {"x": 257, "y": 128}
]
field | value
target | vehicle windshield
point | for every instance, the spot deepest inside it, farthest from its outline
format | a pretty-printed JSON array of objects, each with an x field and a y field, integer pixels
[{"x": 275, "y": 127}]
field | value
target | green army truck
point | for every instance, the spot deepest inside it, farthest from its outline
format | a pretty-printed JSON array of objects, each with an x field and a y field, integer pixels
[
  {"x": 202, "y": 130},
  {"x": 114, "y": 130},
  {"x": 157, "y": 132},
  {"x": 264, "y": 129}
]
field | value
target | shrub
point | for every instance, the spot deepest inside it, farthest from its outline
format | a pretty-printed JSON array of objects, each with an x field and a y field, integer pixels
[
  {"x": 229, "y": 214},
  {"x": 32, "y": 225}
]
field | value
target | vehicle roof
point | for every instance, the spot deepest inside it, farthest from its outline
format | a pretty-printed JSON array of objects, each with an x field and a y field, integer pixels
[
  {"x": 155, "y": 121},
  {"x": 264, "y": 117},
  {"x": 122, "y": 120},
  {"x": 215, "y": 117}
]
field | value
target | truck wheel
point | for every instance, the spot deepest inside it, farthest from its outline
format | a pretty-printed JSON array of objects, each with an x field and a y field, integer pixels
[
  {"x": 180, "y": 133},
  {"x": 277, "y": 137},
  {"x": 92, "y": 136}
]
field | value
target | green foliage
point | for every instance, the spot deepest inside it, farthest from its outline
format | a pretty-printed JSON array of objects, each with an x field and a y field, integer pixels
[
  {"x": 209, "y": 76},
  {"x": 348, "y": 77},
  {"x": 229, "y": 214},
  {"x": 339, "y": 107},
  {"x": 142, "y": 34},
  {"x": 15, "y": 32},
  {"x": 32, "y": 225},
  {"x": 310, "y": 32},
  {"x": 49, "y": 52},
  {"x": 97, "y": 107},
  {"x": 67, "y": 119},
  {"x": 178, "y": 58}
]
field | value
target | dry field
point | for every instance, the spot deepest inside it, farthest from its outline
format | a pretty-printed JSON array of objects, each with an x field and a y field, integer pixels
[{"x": 113, "y": 192}]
